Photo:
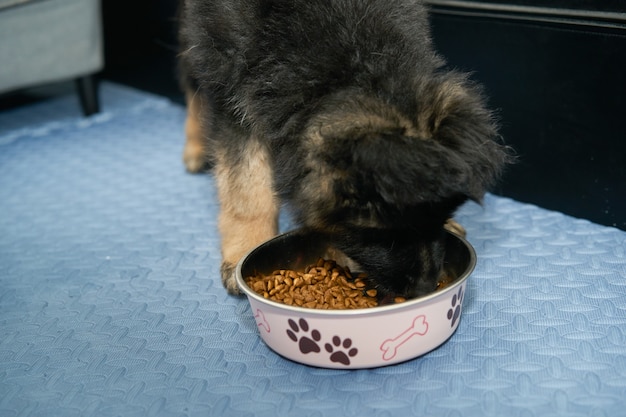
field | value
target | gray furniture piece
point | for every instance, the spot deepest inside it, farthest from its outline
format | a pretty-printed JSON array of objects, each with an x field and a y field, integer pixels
[{"x": 46, "y": 41}]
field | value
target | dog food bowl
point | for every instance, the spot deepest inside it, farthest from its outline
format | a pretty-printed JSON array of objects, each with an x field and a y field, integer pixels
[{"x": 352, "y": 339}]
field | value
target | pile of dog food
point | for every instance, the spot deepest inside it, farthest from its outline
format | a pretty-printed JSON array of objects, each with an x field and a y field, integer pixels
[{"x": 325, "y": 285}]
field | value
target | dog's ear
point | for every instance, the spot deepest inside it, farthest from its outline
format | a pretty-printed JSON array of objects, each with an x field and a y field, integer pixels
[
  {"x": 448, "y": 152},
  {"x": 374, "y": 154},
  {"x": 407, "y": 171},
  {"x": 453, "y": 116}
]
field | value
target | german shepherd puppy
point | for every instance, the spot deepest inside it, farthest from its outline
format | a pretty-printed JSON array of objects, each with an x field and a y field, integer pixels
[{"x": 342, "y": 109}]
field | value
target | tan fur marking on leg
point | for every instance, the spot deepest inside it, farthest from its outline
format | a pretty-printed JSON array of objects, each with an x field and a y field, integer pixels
[
  {"x": 249, "y": 208},
  {"x": 194, "y": 154}
]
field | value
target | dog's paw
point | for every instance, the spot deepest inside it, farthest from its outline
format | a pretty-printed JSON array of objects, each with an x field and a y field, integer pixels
[
  {"x": 228, "y": 278},
  {"x": 454, "y": 227}
]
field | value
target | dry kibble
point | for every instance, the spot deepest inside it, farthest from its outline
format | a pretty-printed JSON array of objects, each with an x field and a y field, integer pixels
[
  {"x": 325, "y": 285},
  {"x": 371, "y": 293}
]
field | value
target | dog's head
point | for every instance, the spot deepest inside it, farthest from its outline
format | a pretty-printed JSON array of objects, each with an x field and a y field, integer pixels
[{"x": 383, "y": 178}]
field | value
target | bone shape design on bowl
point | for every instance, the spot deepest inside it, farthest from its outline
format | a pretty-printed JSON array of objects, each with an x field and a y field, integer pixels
[
  {"x": 261, "y": 321},
  {"x": 390, "y": 346}
]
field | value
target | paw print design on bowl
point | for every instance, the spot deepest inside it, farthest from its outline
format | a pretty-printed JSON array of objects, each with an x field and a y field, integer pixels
[
  {"x": 344, "y": 354},
  {"x": 455, "y": 310},
  {"x": 305, "y": 343},
  {"x": 309, "y": 341}
]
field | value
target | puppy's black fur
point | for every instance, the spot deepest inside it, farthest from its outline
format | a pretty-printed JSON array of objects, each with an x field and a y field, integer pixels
[{"x": 366, "y": 134}]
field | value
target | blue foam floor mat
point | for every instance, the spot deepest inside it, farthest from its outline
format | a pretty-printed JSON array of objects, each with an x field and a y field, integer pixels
[{"x": 111, "y": 304}]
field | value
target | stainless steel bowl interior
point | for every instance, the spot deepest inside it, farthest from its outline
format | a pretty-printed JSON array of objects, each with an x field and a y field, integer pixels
[{"x": 297, "y": 249}]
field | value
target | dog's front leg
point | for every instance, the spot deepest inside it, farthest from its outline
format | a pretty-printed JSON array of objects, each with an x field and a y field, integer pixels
[{"x": 249, "y": 208}]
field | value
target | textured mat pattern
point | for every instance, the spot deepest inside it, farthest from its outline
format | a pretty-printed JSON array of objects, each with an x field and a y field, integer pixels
[{"x": 110, "y": 304}]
